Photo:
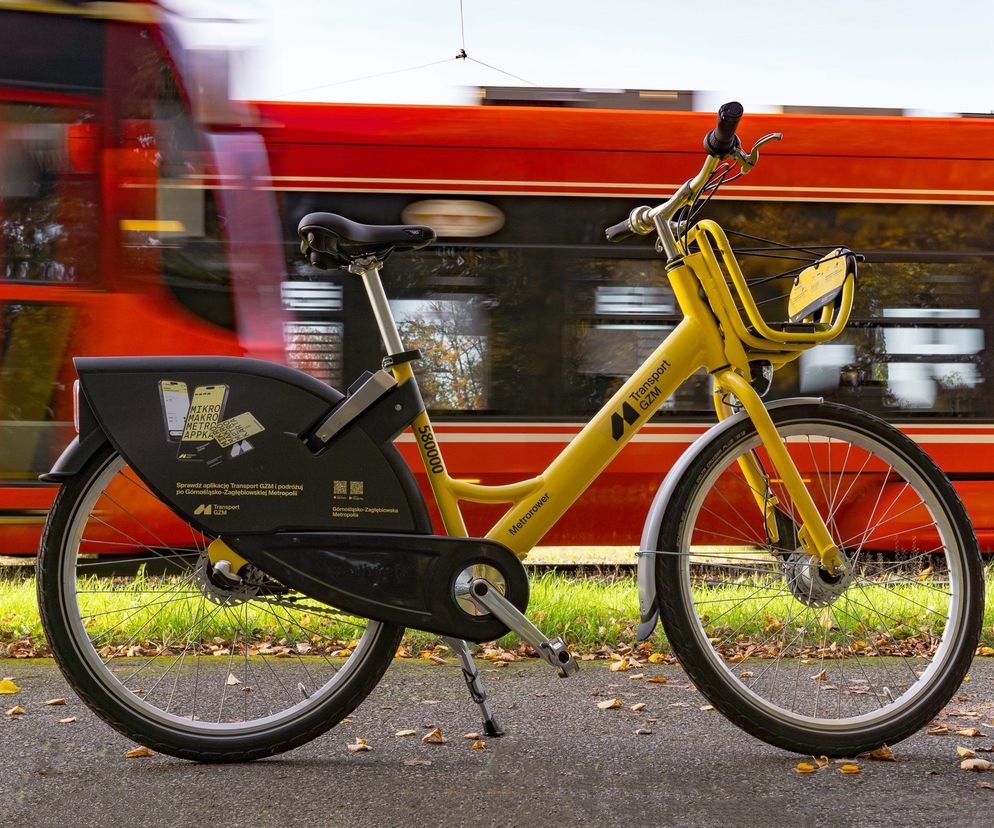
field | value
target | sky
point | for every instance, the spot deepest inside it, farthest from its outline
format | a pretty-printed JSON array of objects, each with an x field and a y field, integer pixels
[{"x": 913, "y": 55}]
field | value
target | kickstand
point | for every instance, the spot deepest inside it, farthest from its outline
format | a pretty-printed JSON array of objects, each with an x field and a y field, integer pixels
[{"x": 475, "y": 684}]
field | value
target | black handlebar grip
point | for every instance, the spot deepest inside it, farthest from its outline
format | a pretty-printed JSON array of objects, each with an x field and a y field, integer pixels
[
  {"x": 619, "y": 232},
  {"x": 721, "y": 140}
]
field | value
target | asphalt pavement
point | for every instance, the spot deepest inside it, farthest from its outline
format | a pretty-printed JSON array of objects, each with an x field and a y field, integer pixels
[{"x": 564, "y": 762}]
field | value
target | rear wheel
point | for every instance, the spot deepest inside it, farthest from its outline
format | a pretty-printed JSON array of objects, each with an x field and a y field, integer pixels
[
  {"x": 178, "y": 657},
  {"x": 805, "y": 660}
]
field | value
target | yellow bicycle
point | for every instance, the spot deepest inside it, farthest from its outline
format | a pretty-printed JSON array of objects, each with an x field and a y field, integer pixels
[{"x": 761, "y": 552}]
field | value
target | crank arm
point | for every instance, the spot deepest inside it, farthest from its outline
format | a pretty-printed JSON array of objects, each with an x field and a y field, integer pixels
[{"x": 552, "y": 650}]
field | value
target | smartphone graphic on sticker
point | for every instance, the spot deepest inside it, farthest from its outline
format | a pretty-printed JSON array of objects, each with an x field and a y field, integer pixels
[
  {"x": 206, "y": 410},
  {"x": 175, "y": 405}
]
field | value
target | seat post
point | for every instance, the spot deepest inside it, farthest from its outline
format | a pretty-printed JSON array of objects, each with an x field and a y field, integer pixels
[{"x": 369, "y": 270}]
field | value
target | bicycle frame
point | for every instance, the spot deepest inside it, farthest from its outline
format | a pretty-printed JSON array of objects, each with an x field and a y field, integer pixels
[{"x": 697, "y": 341}]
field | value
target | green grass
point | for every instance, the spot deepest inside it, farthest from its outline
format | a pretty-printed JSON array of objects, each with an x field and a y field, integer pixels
[{"x": 589, "y": 613}]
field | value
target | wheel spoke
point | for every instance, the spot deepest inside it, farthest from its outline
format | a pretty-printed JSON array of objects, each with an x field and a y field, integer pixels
[{"x": 819, "y": 641}]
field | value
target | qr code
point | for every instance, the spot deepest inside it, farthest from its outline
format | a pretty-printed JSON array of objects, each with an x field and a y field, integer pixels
[
  {"x": 340, "y": 487},
  {"x": 355, "y": 487}
]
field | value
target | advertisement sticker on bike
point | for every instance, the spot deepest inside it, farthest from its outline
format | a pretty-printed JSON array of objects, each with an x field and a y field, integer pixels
[{"x": 230, "y": 449}]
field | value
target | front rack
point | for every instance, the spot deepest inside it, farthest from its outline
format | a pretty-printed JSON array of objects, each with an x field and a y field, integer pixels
[{"x": 819, "y": 299}]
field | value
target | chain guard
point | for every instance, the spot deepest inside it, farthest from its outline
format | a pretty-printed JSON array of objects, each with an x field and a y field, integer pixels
[{"x": 402, "y": 579}]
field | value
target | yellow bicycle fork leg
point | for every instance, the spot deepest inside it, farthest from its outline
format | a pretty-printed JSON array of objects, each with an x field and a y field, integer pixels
[
  {"x": 755, "y": 477},
  {"x": 813, "y": 534}
]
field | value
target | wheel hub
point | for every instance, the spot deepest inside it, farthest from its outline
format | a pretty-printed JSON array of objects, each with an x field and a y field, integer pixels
[
  {"x": 810, "y": 583},
  {"x": 219, "y": 586}
]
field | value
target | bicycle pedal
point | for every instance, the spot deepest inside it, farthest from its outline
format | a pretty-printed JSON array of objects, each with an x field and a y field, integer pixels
[
  {"x": 561, "y": 657},
  {"x": 553, "y": 650}
]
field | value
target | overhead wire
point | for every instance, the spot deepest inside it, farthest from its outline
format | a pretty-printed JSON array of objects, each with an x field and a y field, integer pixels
[{"x": 461, "y": 55}]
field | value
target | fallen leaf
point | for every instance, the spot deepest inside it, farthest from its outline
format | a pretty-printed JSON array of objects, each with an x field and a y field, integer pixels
[
  {"x": 643, "y": 731},
  {"x": 140, "y": 752},
  {"x": 345, "y": 721},
  {"x": 610, "y": 704},
  {"x": 746, "y": 674},
  {"x": 359, "y": 746},
  {"x": 706, "y": 707},
  {"x": 986, "y": 785},
  {"x": 473, "y": 736},
  {"x": 637, "y": 677},
  {"x": 882, "y": 754},
  {"x": 964, "y": 752},
  {"x": 55, "y": 702},
  {"x": 985, "y": 651},
  {"x": 68, "y": 720},
  {"x": 417, "y": 761},
  {"x": 619, "y": 666},
  {"x": 969, "y": 732},
  {"x": 938, "y": 730},
  {"x": 8, "y": 688},
  {"x": 975, "y": 765},
  {"x": 232, "y": 680},
  {"x": 820, "y": 676},
  {"x": 805, "y": 767},
  {"x": 434, "y": 659},
  {"x": 434, "y": 738},
  {"x": 657, "y": 680},
  {"x": 405, "y": 733},
  {"x": 637, "y": 707},
  {"x": 479, "y": 744},
  {"x": 821, "y": 761},
  {"x": 16, "y": 710},
  {"x": 657, "y": 658},
  {"x": 849, "y": 768}
]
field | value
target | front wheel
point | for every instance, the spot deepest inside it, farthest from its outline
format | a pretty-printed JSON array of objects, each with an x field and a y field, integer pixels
[
  {"x": 177, "y": 657},
  {"x": 805, "y": 660}
]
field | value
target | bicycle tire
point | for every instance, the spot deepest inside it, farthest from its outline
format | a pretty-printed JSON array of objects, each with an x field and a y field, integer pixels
[
  {"x": 135, "y": 717},
  {"x": 737, "y": 691}
]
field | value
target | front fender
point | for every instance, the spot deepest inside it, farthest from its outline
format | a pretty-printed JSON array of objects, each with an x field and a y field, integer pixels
[{"x": 648, "y": 604}]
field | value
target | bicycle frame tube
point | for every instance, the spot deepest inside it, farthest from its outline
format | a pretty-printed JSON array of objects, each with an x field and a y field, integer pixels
[
  {"x": 702, "y": 339},
  {"x": 538, "y": 502}
]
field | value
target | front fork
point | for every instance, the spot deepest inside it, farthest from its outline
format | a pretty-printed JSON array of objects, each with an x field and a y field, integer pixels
[{"x": 812, "y": 534}]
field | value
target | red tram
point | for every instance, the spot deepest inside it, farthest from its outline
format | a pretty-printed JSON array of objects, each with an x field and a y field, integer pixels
[{"x": 529, "y": 320}]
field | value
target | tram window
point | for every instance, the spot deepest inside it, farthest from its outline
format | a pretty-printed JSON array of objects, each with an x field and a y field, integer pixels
[
  {"x": 35, "y": 341},
  {"x": 567, "y": 318},
  {"x": 616, "y": 350},
  {"x": 52, "y": 52},
  {"x": 179, "y": 235},
  {"x": 451, "y": 332},
  {"x": 49, "y": 194}
]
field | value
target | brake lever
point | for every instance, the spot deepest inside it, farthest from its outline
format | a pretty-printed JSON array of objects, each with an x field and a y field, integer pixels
[{"x": 749, "y": 161}]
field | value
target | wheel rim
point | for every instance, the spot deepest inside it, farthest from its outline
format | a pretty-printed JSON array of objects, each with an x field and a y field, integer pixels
[
  {"x": 187, "y": 680},
  {"x": 771, "y": 632}
]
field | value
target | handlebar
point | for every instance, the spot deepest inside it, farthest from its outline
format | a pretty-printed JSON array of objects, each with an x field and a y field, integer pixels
[
  {"x": 720, "y": 143},
  {"x": 721, "y": 140},
  {"x": 619, "y": 232}
]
